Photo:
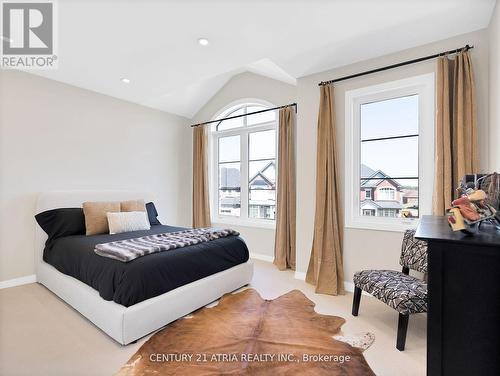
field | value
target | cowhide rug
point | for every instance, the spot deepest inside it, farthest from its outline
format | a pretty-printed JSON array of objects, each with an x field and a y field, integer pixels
[{"x": 247, "y": 335}]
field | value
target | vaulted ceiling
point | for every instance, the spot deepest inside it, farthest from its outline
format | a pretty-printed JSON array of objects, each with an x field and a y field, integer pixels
[{"x": 155, "y": 43}]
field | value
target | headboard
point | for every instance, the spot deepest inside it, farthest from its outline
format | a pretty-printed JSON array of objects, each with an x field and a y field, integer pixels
[{"x": 75, "y": 199}]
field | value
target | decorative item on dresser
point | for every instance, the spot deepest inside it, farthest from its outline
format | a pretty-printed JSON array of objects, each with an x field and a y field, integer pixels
[
  {"x": 476, "y": 205},
  {"x": 399, "y": 290},
  {"x": 463, "y": 320}
]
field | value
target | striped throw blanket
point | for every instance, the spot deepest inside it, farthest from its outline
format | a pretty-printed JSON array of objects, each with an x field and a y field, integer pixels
[{"x": 130, "y": 249}]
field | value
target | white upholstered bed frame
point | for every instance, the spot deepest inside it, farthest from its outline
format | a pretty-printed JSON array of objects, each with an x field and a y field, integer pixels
[{"x": 127, "y": 324}]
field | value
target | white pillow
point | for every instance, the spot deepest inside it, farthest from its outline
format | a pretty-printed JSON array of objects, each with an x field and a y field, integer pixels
[{"x": 127, "y": 221}]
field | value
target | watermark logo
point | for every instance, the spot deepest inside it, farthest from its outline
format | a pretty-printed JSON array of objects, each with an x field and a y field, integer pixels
[{"x": 28, "y": 35}]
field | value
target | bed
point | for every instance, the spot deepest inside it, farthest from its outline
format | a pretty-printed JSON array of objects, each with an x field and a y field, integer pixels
[{"x": 128, "y": 302}]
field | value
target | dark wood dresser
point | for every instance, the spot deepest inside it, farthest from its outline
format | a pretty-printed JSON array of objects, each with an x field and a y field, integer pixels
[{"x": 463, "y": 322}]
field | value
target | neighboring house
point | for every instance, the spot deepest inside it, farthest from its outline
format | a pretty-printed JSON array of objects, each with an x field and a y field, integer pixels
[
  {"x": 262, "y": 192},
  {"x": 410, "y": 203},
  {"x": 229, "y": 191},
  {"x": 381, "y": 208},
  {"x": 381, "y": 196},
  {"x": 262, "y": 185},
  {"x": 410, "y": 196},
  {"x": 229, "y": 179}
]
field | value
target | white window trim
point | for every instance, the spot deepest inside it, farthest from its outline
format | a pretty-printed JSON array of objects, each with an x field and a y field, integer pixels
[
  {"x": 213, "y": 172},
  {"x": 422, "y": 85}
]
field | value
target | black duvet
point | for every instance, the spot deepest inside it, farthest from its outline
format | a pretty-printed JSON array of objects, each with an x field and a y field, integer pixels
[{"x": 145, "y": 277}]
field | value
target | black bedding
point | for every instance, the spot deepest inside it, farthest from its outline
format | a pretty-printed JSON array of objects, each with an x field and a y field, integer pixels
[{"x": 145, "y": 277}]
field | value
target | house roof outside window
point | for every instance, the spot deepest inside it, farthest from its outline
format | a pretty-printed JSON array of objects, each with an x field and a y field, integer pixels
[
  {"x": 263, "y": 180},
  {"x": 381, "y": 204},
  {"x": 370, "y": 175}
]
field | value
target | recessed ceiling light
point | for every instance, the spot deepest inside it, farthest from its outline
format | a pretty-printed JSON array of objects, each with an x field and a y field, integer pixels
[
  {"x": 125, "y": 80},
  {"x": 203, "y": 41}
]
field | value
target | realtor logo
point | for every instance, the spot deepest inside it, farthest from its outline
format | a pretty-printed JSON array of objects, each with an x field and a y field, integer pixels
[{"x": 28, "y": 35}]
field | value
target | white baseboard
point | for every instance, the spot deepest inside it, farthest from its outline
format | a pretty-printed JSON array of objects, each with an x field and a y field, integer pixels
[
  {"x": 300, "y": 275},
  {"x": 348, "y": 286},
  {"x": 18, "y": 281},
  {"x": 260, "y": 256}
]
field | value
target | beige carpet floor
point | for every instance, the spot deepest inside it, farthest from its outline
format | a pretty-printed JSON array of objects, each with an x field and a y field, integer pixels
[{"x": 42, "y": 335}]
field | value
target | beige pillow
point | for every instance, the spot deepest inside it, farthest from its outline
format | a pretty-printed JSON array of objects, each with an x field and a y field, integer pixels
[
  {"x": 132, "y": 205},
  {"x": 96, "y": 221}
]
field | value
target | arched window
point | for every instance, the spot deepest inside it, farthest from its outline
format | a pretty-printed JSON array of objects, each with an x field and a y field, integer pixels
[{"x": 244, "y": 166}]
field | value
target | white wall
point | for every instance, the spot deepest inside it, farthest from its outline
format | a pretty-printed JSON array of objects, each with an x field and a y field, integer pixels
[
  {"x": 494, "y": 34},
  {"x": 364, "y": 248},
  {"x": 55, "y": 136},
  {"x": 249, "y": 85}
]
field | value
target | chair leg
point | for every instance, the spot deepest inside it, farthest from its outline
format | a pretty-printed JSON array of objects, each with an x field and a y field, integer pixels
[
  {"x": 402, "y": 328},
  {"x": 356, "y": 300}
]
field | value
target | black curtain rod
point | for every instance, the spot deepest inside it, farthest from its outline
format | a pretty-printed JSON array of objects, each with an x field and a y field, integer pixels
[
  {"x": 466, "y": 48},
  {"x": 251, "y": 113}
]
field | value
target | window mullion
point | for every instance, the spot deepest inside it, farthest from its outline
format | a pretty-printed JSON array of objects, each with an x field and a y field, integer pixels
[
  {"x": 215, "y": 183},
  {"x": 244, "y": 175},
  {"x": 390, "y": 138}
]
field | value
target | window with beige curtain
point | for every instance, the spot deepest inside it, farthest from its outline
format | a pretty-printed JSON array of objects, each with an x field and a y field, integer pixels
[
  {"x": 456, "y": 152},
  {"x": 325, "y": 269},
  {"x": 284, "y": 245},
  {"x": 201, "y": 203}
]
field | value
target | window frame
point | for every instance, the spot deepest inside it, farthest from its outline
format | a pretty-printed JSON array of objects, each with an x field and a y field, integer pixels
[
  {"x": 244, "y": 132},
  {"x": 421, "y": 85}
]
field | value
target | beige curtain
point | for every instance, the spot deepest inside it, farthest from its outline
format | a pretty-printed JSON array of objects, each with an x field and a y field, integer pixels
[
  {"x": 456, "y": 152},
  {"x": 284, "y": 243},
  {"x": 325, "y": 265},
  {"x": 201, "y": 204}
]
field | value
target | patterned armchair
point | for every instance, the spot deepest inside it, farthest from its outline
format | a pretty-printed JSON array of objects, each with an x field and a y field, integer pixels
[{"x": 405, "y": 293}]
